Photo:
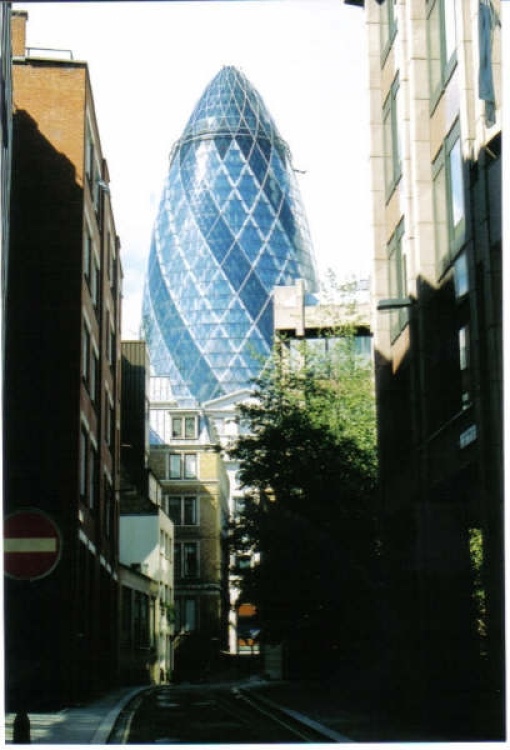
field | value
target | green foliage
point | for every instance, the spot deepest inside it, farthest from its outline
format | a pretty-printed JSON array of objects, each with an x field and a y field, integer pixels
[
  {"x": 476, "y": 552},
  {"x": 308, "y": 463}
]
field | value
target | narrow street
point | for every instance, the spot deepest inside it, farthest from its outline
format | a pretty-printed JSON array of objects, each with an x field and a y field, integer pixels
[{"x": 210, "y": 715}]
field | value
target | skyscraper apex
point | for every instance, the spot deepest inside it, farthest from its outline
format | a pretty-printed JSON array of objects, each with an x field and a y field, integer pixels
[
  {"x": 231, "y": 104},
  {"x": 230, "y": 227}
]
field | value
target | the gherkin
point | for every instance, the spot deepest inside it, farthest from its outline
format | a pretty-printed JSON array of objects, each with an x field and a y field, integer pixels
[{"x": 230, "y": 227}]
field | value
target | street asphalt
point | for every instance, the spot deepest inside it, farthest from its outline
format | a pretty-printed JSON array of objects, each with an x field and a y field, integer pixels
[{"x": 315, "y": 703}]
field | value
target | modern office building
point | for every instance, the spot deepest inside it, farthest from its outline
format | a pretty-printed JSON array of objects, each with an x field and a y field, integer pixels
[
  {"x": 62, "y": 380},
  {"x": 436, "y": 129},
  {"x": 195, "y": 491},
  {"x": 230, "y": 227},
  {"x": 300, "y": 317}
]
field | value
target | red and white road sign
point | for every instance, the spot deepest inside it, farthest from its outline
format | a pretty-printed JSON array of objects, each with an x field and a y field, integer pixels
[{"x": 32, "y": 545}]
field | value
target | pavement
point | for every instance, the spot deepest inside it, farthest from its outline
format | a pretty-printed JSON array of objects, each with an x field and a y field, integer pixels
[
  {"x": 93, "y": 723},
  {"x": 315, "y": 703},
  {"x": 88, "y": 724}
]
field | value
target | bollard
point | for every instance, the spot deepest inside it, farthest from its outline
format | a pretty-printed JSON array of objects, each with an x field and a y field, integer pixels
[{"x": 21, "y": 733}]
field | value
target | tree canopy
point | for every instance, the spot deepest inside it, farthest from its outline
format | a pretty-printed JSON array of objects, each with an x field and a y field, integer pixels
[{"x": 308, "y": 465}]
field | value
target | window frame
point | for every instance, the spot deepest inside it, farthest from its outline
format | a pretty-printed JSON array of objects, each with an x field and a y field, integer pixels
[
  {"x": 84, "y": 462},
  {"x": 94, "y": 372},
  {"x": 183, "y": 433},
  {"x": 172, "y": 459},
  {"x": 108, "y": 521},
  {"x": 184, "y": 457},
  {"x": 464, "y": 341},
  {"x": 95, "y": 277},
  {"x": 388, "y": 28},
  {"x": 397, "y": 281},
  {"x": 88, "y": 252},
  {"x": 181, "y": 500},
  {"x": 86, "y": 349},
  {"x": 447, "y": 62},
  {"x": 453, "y": 234},
  {"x": 181, "y": 603},
  {"x": 181, "y": 571},
  {"x": 392, "y": 149},
  {"x": 461, "y": 276},
  {"x": 93, "y": 488}
]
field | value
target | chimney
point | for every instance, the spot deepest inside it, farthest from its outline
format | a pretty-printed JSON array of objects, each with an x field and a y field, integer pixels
[{"x": 19, "y": 20}]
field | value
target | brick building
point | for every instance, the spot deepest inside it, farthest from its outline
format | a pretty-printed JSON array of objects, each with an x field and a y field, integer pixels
[
  {"x": 5, "y": 149},
  {"x": 62, "y": 381}
]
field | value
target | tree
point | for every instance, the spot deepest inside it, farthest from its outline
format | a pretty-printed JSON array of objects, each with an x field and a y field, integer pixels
[{"x": 308, "y": 465}]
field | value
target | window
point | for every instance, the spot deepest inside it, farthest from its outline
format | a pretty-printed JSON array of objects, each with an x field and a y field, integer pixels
[
  {"x": 190, "y": 465},
  {"x": 85, "y": 354},
  {"x": 111, "y": 257},
  {"x": 94, "y": 374},
  {"x": 141, "y": 619},
  {"x": 392, "y": 139},
  {"x": 174, "y": 466},
  {"x": 96, "y": 192},
  {"x": 90, "y": 363},
  {"x": 87, "y": 254},
  {"x": 161, "y": 542},
  {"x": 449, "y": 210},
  {"x": 165, "y": 544},
  {"x": 93, "y": 465},
  {"x": 108, "y": 506},
  {"x": 397, "y": 280},
  {"x": 112, "y": 346},
  {"x": 184, "y": 427},
  {"x": 186, "y": 559},
  {"x": 109, "y": 251},
  {"x": 83, "y": 462},
  {"x": 464, "y": 364},
  {"x": 182, "y": 466},
  {"x": 109, "y": 431},
  {"x": 363, "y": 344},
  {"x": 183, "y": 510},
  {"x": 461, "y": 277},
  {"x": 186, "y": 614},
  {"x": 388, "y": 27},
  {"x": 442, "y": 43},
  {"x": 110, "y": 338},
  {"x": 89, "y": 153},
  {"x": 94, "y": 280}
]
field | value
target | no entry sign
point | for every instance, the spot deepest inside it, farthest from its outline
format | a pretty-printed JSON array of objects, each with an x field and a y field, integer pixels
[{"x": 32, "y": 545}]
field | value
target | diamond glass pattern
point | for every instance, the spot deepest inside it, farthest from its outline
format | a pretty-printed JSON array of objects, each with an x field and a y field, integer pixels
[{"x": 230, "y": 227}]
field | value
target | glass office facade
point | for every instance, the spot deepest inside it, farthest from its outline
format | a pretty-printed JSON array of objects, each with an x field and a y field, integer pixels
[{"x": 230, "y": 227}]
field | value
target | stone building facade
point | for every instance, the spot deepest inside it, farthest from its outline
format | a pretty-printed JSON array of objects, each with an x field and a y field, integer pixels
[{"x": 436, "y": 129}]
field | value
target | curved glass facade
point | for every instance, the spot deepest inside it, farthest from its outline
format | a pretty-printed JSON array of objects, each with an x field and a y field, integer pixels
[{"x": 230, "y": 227}]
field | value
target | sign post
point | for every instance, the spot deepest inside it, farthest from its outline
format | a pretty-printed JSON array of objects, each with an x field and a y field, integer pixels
[
  {"x": 32, "y": 550},
  {"x": 32, "y": 545}
]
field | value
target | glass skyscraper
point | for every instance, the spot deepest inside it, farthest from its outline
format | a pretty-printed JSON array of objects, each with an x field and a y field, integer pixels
[{"x": 230, "y": 227}]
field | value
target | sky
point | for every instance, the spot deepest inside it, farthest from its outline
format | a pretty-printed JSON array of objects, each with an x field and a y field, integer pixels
[{"x": 150, "y": 62}]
